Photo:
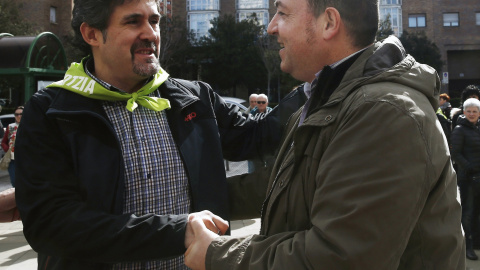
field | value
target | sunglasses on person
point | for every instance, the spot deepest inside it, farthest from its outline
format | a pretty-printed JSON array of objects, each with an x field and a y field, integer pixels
[
  {"x": 261, "y": 102},
  {"x": 17, "y": 114}
]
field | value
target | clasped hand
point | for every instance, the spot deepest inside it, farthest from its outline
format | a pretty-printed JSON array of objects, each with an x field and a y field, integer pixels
[
  {"x": 8, "y": 207},
  {"x": 202, "y": 228}
]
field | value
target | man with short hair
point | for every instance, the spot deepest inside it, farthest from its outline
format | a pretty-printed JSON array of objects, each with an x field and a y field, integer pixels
[
  {"x": 445, "y": 122},
  {"x": 113, "y": 158},
  {"x": 363, "y": 179},
  {"x": 252, "y": 100},
  {"x": 262, "y": 105},
  {"x": 444, "y": 101},
  {"x": 444, "y": 105}
]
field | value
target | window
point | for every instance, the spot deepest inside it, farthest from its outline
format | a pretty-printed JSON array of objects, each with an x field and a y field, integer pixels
[
  {"x": 450, "y": 19},
  {"x": 262, "y": 16},
  {"x": 395, "y": 18},
  {"x": 53, "y": 14},
  {"x": 251, "y": 4},
  {"x": 417, "y": 20},
  {"x": 203, "y": 5},
  {"x": 477, "y": 16},
  {"x": 391, "y": 2},
  {"x": 199, "y": 23}
]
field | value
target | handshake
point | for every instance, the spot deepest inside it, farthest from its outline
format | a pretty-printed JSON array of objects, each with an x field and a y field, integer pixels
[
  {"x": 8, "y": 207},
  {"x": 202, "y": 228}
]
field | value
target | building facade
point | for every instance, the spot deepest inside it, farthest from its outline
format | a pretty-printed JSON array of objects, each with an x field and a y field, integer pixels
[
  {"x": 453, "y": 25},
  {"x": 392, "y": 8},
  {"x": 166, "y": 8},
  {"x": 198, "y": 13},
  {"x": 48, "y": 15}
]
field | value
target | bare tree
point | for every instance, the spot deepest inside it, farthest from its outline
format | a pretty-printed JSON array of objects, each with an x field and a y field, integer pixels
[
  {"x": 174, "y": 41},
  {"x": 268, "y": 48}
]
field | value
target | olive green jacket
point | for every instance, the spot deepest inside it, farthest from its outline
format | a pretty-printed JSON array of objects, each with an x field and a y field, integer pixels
[{"x": 365, "y": 183}]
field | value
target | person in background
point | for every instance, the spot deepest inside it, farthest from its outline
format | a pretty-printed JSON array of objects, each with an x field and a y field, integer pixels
[
  {"x": 470, "y": 91},
  {"x": 8, "y": 207},
  {"x": 444, "y": 120},
  {"x": 8, "y": 141},
  {"x": 258, "y": 112},
  {"x": 262, "y": 106},
  {"x": 2, "y": 130},
  {"x": 253, "y": 102},
  {"x": 444, "y": 104},
  {"x": 363, "y": 179},
  {"x": 465, "y": 141}
]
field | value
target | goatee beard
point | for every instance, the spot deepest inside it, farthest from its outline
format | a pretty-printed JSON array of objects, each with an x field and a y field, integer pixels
[
  {"x": 146, "y": 69},
  {"x": 152, "y": 66}
]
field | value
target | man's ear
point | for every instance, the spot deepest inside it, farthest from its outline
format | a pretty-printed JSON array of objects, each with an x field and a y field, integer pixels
[
  {"x": 332, "y": 23},
  {"x": 91, "y": 35}
]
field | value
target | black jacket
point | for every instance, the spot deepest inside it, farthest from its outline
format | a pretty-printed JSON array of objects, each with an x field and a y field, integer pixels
[
  {"x": 70, "y": 175},
  {"x": 446, "y": 126},
  {"x": 465, "y": 141}
]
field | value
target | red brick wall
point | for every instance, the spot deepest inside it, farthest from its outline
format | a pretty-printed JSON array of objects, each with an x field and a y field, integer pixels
[
  {"x": 465, "y": 37},
  {"x": 38, "y": 14}
]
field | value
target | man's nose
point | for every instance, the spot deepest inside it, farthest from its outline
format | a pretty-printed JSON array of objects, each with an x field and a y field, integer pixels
[{"x": 272, "y": 26}]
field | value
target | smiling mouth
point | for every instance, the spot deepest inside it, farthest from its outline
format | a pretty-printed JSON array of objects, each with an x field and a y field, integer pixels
[
  {"x": 144, "y": 48},
  {"x": 146, "y": 52}
]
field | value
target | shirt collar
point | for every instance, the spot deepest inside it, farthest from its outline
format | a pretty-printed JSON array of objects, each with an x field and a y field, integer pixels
[
  {"x": 89, "y": 65},
  {"x": 308, "y": 86}
]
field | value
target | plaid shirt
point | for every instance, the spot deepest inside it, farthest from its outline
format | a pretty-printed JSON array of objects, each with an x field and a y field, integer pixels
[{"x": 155, "y": 178}]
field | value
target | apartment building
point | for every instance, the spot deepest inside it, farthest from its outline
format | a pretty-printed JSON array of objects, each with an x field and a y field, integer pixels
[
  {"x": 166, "y": 8},
  {"x": 394, "y": 9},
  {"x": 453, "y": 25},
  {"x": 198, "y": 13},
  {"x": 48, "y": 15}
]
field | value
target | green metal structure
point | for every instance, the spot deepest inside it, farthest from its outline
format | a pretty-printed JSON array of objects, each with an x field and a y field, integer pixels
[{"x": 34, "y": 59}]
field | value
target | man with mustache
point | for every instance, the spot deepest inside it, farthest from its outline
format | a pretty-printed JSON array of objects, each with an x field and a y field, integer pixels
[
  {"x": 113, "y": 158},
  {"x": 363, "y": 179}
]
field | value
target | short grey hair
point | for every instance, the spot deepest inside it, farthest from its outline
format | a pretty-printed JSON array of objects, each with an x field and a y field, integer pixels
[
  {"x": 253, "y": 96},
  {"x": 471, "y": 102},
  {"x": 263, "y": 96}
]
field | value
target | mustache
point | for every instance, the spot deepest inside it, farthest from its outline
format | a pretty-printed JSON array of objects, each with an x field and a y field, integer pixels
[{"x": 144, "y": 45}]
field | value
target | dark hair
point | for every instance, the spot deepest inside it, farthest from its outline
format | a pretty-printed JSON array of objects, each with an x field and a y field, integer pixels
[
  {"x": 95, "y": 13},
  {"x": 445, "y": 97},
  {"x": 360, "y": 17},
  {"x": 468, "y": 91}
]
